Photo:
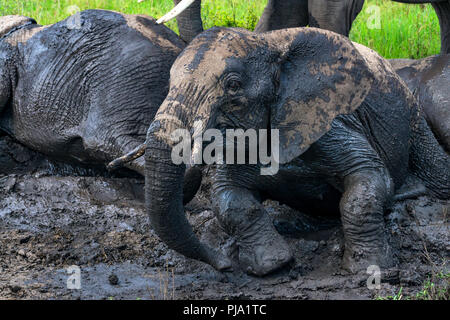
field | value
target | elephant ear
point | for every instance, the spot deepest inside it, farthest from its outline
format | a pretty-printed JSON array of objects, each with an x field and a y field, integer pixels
[
  {"x": 322, "y": 75},
  {"x": 10, "y": 23}
]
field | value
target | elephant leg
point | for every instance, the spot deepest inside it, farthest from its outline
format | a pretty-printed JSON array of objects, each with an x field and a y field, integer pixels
[
  {"x": 261, "y": 248},
  {"x": 362, "y": 207},
  {"x": 190, "y": 21},
  {"x": 281, "y": 14},
  {"x": 334, "y": 15},
  {"x": 353, "y": 165}
]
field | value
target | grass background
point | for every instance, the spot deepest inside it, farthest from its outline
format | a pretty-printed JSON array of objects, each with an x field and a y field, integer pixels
[{"x": 406, "y": 31}]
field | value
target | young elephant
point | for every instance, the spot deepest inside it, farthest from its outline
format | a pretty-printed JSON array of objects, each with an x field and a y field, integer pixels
[{"x": 347, "y": 125}]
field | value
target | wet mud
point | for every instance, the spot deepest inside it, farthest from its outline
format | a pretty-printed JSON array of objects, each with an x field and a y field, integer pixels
[{"x": 53, "y": 216}]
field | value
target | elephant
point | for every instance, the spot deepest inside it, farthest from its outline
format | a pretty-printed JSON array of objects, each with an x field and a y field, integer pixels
[
  {"x": 333, "y": 15},
  {"x": 350, "y": 131},
  {"x": 84, "y": 90}
]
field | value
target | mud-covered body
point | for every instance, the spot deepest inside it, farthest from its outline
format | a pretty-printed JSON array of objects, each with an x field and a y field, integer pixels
[
  {"x": 350, "y": 133},
  {"x": 85, "y": 89}
]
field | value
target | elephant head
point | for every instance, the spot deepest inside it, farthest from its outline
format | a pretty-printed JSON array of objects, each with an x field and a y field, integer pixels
[
  {"x": 293, "y": 80},
  {"x": 442, "y": 8}
]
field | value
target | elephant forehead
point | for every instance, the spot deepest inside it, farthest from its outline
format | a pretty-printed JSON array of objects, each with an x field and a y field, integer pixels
[
  {"x": 8, "y": 23},
  {"x": 206, "y": 57}
]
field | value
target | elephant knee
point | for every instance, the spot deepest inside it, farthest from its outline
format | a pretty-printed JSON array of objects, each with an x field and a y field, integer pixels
[{"x": 236, "y": 213}]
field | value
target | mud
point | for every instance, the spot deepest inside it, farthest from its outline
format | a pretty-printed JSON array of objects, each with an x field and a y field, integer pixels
[{"x": 53, "y": 216}]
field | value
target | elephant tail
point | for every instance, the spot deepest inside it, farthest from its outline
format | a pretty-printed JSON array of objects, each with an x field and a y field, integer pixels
[{"x": 428, "y": 160}]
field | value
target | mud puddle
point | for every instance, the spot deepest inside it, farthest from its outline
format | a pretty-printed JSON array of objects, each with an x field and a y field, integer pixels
[{"x": 53, "y": 217}]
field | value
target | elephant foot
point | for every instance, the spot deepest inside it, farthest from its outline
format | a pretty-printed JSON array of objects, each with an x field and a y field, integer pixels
[
  {"x": 262, "y": 250},
  {"x": 220, "y": 262},
  {"x": 363, "y": 259}
]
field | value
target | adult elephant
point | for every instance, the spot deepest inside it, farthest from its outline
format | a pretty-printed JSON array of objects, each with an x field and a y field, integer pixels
[
  {"x": 85, "y": 89},
  {"x": 347, "y": 125}
]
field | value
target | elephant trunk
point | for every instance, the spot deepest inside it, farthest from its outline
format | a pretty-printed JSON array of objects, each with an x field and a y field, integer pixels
[{"x": 164, "y": 196}]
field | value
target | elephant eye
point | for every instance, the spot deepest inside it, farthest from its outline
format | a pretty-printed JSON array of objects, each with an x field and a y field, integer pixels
[{"x": 233, "y": 86}]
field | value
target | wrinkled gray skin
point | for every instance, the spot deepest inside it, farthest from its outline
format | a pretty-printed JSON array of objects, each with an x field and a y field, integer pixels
[
  {"x": 333, "y": 15},
  {"x": 429, "y": 80},
  {"x": 350, "y": 133},
  {"x": 85, "y": 95}
]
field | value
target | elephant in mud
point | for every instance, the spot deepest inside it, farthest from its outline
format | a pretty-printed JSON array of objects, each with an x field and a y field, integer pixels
[
  {"x": 85, "y": 90},
  {"x": 350, "y": 131}
]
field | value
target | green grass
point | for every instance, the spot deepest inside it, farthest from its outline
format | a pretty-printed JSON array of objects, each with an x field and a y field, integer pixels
[{"x": 407, "y": 31}]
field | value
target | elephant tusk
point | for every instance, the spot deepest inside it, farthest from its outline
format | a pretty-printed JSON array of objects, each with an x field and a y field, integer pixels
[{"x": 177, "y": 10}]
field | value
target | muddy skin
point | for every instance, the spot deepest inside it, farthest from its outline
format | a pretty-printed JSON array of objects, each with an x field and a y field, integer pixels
[
  {"x": 428, "y": 78},
  {"x": 50, "y": 221},
  {"x": 85, "y": 95},
  {"x": 101, "y": 105},
  {"x": 353, "y": 129},
  {"x": 336, "y": 15}
]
